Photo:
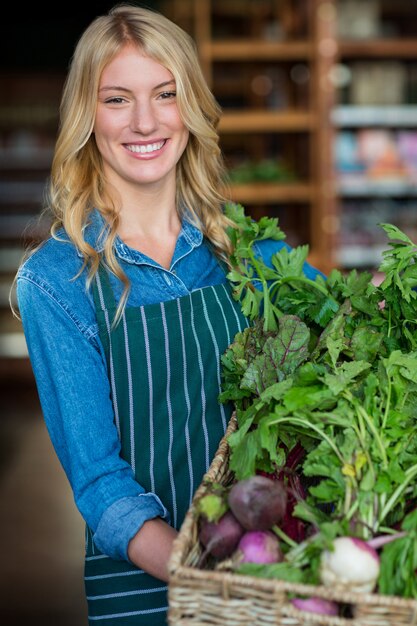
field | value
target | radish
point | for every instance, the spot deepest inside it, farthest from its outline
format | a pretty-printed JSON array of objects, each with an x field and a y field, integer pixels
[
  {"x": 258, "y": 502},
  {"x": 353, "y": 564},
  {"x": 316, "y": 605},
  {"x": 259, "y": 546},
  {"x": 220, "y": 538}
]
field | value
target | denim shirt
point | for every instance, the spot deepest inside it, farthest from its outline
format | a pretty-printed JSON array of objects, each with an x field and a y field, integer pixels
[{"x": 69, "y": 365}]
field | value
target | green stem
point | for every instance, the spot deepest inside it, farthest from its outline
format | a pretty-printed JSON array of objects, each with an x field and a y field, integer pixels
[
  {"x": 375, "y": 432},
  {"x": 389, "y": 322},
  {"x": 363, "y": 414},
  {"x": 269, "y": 320},
  {"x": 307, "y": 424},
  {"x": 410, "y": 474},
  {"x": 387, "y": 405},
  {"x": 280, "y": 533},
  {"x": 307, "y": 281},
  {"x": 348, "y": 497},
  {"x": 352, "y": 510}
]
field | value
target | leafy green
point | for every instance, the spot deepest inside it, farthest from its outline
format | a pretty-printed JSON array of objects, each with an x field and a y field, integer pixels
[{"x": 331, "y": 363}]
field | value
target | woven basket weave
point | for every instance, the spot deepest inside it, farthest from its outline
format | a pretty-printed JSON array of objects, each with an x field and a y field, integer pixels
[{"x": 207, "y": 597}]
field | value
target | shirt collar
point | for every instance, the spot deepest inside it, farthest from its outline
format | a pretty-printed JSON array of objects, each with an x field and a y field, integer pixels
[{"x": 96, "y": 232}]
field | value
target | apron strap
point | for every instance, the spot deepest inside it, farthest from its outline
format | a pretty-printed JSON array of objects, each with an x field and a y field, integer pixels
[{"x": 102, "y": 290}]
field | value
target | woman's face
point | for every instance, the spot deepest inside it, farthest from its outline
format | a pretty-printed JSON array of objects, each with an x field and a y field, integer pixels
[{"x": 138, "y": 129}]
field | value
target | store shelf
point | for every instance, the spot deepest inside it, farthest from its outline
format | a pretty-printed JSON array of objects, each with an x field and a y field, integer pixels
[
  {"x": 382, "y": 48},
  {"x": 264, "y": 121},
  {"x": 272, "y": 193},
  {"x": 250, "y": 50},
  {"x": 359, "y": 257},
  {"x": 356, "y": 116},
  {"x": 380, "y": 188}
]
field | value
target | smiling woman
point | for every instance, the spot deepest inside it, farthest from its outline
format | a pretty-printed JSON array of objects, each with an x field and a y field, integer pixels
[{"x": 126, "y": 306}]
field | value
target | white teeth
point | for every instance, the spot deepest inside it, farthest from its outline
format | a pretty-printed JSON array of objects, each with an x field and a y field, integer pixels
[{"x": 150, "y": 147}]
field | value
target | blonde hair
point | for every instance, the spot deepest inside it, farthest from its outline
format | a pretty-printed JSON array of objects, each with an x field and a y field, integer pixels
[{"x": 77, "y": 181}]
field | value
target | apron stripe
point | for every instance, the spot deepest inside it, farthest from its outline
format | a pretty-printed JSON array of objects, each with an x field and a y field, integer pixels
[
  {"x": 128, "y": 614},
  {"x": 187, "y": 402},
  {"x": 112, "y": 376},
  {"x": 133, "y": 572},
  {"x": 233, "y": 307},
  {"x": 203, "y": 393},
  {"x": 223, "y": 315},
  {"x": 150, "y": 391},
  {"x": 169, "y": 409},
  {"x": 136, "y": 592},
  {"x": 130, "y": 398},
  {"x": 217, "y": 353}
]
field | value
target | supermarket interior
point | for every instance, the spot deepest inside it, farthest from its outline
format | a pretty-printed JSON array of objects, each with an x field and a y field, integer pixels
[{"x": 319, "y": 129}]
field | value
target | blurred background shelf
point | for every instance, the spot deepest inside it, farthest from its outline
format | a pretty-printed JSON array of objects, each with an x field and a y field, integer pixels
[
  {"x": 319, "y": 104},
  {"x": 357, "y": 116}
]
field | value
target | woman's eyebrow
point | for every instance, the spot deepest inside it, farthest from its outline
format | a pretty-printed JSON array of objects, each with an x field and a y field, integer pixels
[
  {"x": 120, "y": 88},
  {"x": 165, "y": 84},
  {"x": 113, "y": 88}
]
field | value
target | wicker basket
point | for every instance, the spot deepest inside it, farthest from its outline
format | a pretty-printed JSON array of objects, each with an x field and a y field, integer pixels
[{"x": 206, "y": 597}]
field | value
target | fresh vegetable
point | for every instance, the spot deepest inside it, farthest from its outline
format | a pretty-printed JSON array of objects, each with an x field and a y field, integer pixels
[
  {"x": 258, "y": 502},
  {"x": 221, "y": 538},
  {"x": 329, "y": 365},
  {"x": 351, "y": 564},
  {"x": 316, "y": 605},
  {"x": 259, "y": 546}
]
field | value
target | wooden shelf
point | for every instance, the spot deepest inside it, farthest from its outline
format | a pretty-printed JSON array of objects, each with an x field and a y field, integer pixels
[
  {"x": 266, "y": 121},
  {"x": 251, "y": 50},
  {"x": 359, "y": 116},
  {"x": 379, "y": 49},
  {"x": 272, "y": 193},
  {"x": 296, "y": 108}
]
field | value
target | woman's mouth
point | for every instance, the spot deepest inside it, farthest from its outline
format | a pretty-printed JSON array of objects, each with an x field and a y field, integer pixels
[{"x": 147, "y": 148}]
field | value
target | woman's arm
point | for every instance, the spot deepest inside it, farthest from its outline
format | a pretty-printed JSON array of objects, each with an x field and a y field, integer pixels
[
  {"x": 151, "y": 547},
  {"x": 74, "y": 392}
]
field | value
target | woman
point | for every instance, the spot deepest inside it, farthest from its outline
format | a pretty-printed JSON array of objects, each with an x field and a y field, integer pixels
[{"x": 126, "y": 307}]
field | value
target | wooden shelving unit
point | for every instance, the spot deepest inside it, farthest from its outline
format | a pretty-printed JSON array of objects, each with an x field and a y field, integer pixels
[
  {"x": 301, "y": 128},
  {"x": 285, "y": 35},
  {"x": 379, "y": 48}
]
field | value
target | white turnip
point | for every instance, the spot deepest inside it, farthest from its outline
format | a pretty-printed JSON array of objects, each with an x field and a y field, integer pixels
[
  {"x": 222, "y": 537},
  {"x": 258, "y": 502},
  {"x": 259, "y": 546},
  {"x": 353, "y": 564}
]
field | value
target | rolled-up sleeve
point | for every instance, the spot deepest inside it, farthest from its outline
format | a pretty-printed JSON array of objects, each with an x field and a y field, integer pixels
[{"x": 71, "y": 376}]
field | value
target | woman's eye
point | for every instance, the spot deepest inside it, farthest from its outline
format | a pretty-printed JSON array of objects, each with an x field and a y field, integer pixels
[
  {"x": 115, "y": 100},
  {"x": 165, "y": 95}
]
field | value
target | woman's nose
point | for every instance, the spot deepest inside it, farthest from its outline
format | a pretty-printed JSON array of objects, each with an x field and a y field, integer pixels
[{"x": 143, "y": 118}]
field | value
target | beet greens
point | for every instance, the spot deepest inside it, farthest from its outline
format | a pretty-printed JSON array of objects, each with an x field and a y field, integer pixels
[{"x": 329, "y": 365}]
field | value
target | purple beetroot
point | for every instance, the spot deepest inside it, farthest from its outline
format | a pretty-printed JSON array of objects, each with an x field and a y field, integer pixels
[
  {"x": 221, "y": 538},
  {"x": 258, "y": 502}
]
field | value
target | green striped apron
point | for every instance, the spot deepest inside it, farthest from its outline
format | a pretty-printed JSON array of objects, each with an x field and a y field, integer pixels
[{"x": 164, "y": 368}]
